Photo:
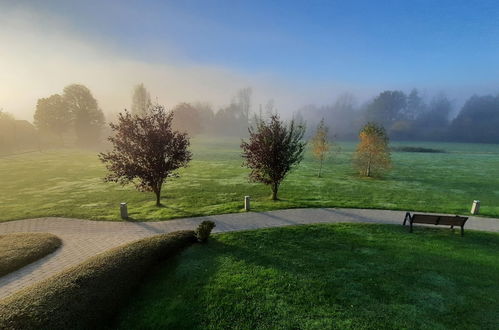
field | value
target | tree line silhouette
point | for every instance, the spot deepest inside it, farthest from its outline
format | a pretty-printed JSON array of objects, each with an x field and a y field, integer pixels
[{"x": 75, "y": 118}]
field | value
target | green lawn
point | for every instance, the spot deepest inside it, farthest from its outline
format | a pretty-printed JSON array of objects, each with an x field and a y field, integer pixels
[
  {"x": 344, "y": 276},
  {"x": 69, "y": 183}
]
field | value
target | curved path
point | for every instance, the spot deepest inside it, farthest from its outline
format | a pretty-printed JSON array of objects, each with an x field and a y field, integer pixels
[{"x": 85, "y": 238}]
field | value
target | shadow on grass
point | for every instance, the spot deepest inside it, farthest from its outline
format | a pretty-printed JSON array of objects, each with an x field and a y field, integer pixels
[{"x": 242, "y": 277}]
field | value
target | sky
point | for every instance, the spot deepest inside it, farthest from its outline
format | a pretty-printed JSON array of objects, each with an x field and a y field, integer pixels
[{"x": 292, "y": 52}]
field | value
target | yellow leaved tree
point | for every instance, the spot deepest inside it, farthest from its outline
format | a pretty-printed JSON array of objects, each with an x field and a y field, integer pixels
[
  {"x": 372, "y": 157},
  {"x": 320, "y": 144}
]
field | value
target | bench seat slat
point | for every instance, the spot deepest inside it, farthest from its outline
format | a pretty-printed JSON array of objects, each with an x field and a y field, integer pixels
[{"x": 452, "y": 221}]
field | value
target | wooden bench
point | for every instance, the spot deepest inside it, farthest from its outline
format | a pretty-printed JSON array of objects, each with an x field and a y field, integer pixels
[{"x": 444, "y": 220}]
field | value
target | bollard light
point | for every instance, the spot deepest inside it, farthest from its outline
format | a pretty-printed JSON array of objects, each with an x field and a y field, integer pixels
[
  {"x": 475, "y": 208},
  {"x": 246, "y": 203},
  {"x": 124, "y": 211}
]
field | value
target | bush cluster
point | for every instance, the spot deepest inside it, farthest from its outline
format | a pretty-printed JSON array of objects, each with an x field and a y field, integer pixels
[
  {"x": 204, "y": 230},
  {"x": 88, "y": 295}
]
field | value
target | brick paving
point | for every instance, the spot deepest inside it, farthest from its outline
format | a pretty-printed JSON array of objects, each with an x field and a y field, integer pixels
[{"x": 85, "y": 238}]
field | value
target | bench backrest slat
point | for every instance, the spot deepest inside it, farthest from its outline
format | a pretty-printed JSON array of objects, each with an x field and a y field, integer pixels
[
  {"x": 452, "y": 221},
  {"x": 439, "y": 219},
  {"x": 425, "y": 218}
]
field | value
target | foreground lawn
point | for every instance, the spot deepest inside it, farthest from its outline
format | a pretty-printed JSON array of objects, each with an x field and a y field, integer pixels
[
  {"x": 69, "y": 183},
  {"x": 18, "y": 250},
  {"x": 345, "y": 276}
]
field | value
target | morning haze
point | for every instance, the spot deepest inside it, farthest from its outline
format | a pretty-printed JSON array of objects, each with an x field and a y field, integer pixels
[{"x": 231, "y": 164}]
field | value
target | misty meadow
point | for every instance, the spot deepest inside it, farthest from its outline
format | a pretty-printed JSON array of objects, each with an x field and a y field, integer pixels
[{"x": 249, "y": 165}]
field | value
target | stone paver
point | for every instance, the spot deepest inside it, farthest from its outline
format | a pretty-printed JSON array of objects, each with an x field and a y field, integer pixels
[{"x": 84, "y": 238}]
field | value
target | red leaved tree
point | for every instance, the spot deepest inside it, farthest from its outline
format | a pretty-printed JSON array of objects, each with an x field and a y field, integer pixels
[
  {"x": 272, "y": 150},
  {"x": 146, "y": 150}
]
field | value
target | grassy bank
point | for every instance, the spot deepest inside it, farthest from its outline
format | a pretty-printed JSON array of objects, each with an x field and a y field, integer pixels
[{"x": 69, "y": 183}]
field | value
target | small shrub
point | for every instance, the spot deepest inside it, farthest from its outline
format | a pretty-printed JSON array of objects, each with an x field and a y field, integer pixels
[
  {"x": 88, "y": 295},
  {"x": 204, "y": 230}
]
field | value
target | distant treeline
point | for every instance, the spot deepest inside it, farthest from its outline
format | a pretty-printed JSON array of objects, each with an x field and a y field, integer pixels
[
  {"x": 16, "y": 135},
  {"x": 410, "y": 117},
  {"x": 404, "y": 116},
  {"x": 72, "y": 118},
  {"x": 75, "y": 118}
]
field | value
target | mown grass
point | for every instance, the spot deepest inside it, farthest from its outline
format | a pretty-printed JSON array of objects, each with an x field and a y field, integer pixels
[
  {"x": 69, "y": 183},
  {"x": 328, "y": 276},
  {"x": 19, "y": 249}
]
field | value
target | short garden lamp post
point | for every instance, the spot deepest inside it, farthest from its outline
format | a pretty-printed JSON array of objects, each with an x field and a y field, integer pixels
[
  {"x": 246, "y": 203},
  {"x": 475, "y": 208},
  {"x": 124, "y": 211}
]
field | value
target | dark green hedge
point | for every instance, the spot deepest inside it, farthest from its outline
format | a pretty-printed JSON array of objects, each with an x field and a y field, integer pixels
[
  {"x": 88, "y": 295},
  {"x": 20, "y": 249}
]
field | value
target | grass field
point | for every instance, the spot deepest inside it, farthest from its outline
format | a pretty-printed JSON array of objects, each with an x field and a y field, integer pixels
[
  {"x": 334, "y": 276},
  {"x": 69, "y": 183}
]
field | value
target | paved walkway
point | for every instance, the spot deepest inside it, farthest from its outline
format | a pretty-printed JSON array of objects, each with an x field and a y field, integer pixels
[{"x": 84, "y": 238}]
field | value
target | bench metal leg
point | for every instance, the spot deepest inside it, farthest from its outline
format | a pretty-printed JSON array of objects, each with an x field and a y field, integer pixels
[
  {"x": 452, "y": 227},
  {"x": 410, "y": 229},
  {"x": 407, "y": 216},
  {"x": 462, "y": 230}
]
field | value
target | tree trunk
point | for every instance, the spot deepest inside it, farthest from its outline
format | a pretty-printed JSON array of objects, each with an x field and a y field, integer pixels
[
  {"x": 275, "y": 187},
  {"x": 320, "y": 168},
  {"x": 157, "y": 191},
  {"x": 158, "y": 198}
]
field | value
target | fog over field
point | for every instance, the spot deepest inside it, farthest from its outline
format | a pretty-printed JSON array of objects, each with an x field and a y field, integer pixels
[
  {"x": 41, "y": 54},
  {"x": 43, "y": 51},
  {"x": 422, "y": 74}
]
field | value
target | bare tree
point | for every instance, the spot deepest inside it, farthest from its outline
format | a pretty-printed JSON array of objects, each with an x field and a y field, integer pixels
[
  {"x": 146, "y": 150},
  {"x": 141, "y": 100},
  {"x": 272, "y": 150},
  {"x": 243, "y": 101}
]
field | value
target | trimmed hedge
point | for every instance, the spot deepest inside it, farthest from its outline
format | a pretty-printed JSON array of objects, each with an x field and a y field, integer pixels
[
  {"x": 89, "y": 294},
  {"x": 20, "y": 249},
  {"x": 417, "y": 149}
]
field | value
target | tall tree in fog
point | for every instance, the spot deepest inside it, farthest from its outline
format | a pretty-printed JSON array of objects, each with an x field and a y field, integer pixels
[
  {"x": 206, "y": 116},
  {"x": 243, "y": 101},
  {"x": 386, "y": 108},
  {"x": 372, "y": 156},
  {"x": 87, "y": 117},
  {"x": 415, "y": 105},
  {"x": 478, "y": 120},
  {"x": 343, "y": 117},
  {"x": 52, "y": 115},
  {"x": 272, "y": 150},
  {"x": 146, "y": 150},
  {"x": 320, "y": 144},
  {"x": 186, "y": 118},
  {"x": 432, "y": 124},
  {"x": 141, "y": 100}
]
